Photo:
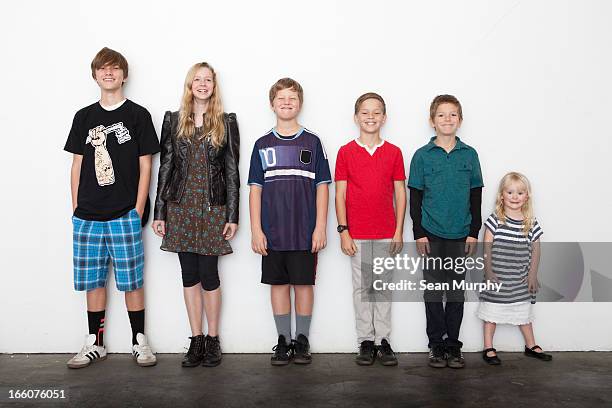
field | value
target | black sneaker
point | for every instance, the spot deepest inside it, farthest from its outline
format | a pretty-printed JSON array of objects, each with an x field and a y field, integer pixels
[
  {"x": 437, "y": 356},
  {"x": 283, "y": 352},
  {"x": 455, "y": 357},
  {"x": 301, "y": 348},
  {"x": 385, "y": 355},
  {"x": 367, "y": 353},
  {"x": 212, "y": 356},
  {"x": 195, "y": 354}
]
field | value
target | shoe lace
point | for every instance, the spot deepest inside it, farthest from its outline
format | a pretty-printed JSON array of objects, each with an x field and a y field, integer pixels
[
  {"x": 85, "y": 350},
  {"x": 144, "y": 349},
  {"x": 455, "y": 352},
  {"x": 298, "y": 347},
  {"x": 193, "y": 346},
  {"x": 280, "y": 349},
  {"x": 366, "y": 347},
  {"x": 437, "y": 352},
  {"x": 212, "y": 346}
]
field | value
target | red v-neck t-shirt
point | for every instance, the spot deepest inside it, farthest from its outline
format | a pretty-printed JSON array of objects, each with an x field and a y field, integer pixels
[{"x": 369, "y": 191}]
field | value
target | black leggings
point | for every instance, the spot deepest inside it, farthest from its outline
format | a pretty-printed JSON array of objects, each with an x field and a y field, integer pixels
[{"x": 198, "y": 268}]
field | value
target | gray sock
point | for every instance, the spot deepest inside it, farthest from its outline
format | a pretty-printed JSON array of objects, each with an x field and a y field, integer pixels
[
  {"x": 302, "y": 325},
  {"x": 283, "y": 326}
]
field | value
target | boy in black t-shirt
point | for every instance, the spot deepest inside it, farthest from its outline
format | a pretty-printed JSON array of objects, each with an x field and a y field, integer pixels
[{"x": 112, "y": 142}]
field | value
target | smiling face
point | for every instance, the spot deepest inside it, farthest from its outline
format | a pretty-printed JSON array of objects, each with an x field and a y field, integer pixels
[
  {"x": 446, "y": 120},
  {"x": 514, "y": 196},
  {"x": 286, "y": 104},
  {"x": 203, "y": 84},
  {"x": 110, "y": 77},
  {"x": 370, "y": 116}
]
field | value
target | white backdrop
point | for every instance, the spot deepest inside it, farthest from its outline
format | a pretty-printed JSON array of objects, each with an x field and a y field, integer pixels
[{"x": 533, "y": 77}]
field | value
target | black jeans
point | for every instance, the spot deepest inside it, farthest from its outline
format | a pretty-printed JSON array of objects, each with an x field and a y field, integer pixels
[{"x": 443, "y": 319}]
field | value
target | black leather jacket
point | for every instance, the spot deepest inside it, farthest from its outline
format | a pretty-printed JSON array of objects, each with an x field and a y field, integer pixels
[{"x": 223, "y": 176}]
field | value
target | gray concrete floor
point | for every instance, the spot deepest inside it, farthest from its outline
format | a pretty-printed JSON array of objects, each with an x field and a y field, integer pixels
[{"x": 332, "y": 380}]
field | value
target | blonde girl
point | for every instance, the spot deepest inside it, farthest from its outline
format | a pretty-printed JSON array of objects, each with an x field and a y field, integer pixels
[{"x": 512, "y": 249}]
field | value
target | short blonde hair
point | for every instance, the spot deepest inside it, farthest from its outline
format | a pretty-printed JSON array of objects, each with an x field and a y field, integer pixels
[{"x": 286, "y": 83}]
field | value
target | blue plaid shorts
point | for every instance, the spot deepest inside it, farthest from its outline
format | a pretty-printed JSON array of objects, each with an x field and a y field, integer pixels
[{"x": 96, "y": 242}]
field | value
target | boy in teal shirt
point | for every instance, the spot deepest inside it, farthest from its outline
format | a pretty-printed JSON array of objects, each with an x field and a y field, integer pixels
[{"x": 445, "y": 197}]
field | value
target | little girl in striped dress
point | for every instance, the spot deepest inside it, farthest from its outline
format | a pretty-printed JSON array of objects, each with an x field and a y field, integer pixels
[{"x": 512, "y": 250}]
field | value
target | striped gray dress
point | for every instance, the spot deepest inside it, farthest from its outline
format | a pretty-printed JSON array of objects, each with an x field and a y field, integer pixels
[{"x": 511, "y": 258}]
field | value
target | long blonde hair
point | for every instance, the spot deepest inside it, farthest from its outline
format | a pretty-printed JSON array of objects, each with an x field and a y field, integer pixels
[
  {"x": 213, "y": 119},
  {"x": 526, "y": 210}
]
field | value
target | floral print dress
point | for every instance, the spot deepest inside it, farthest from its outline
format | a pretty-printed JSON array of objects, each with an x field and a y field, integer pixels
[{"x": 193, "y": 225}]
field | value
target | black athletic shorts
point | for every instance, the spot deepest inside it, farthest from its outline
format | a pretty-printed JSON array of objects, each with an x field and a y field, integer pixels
[{"x": 289, "y": 267}]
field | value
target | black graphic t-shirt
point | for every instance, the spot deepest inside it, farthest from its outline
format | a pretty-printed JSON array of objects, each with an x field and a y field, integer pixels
[{"x": 111, "y": 143}]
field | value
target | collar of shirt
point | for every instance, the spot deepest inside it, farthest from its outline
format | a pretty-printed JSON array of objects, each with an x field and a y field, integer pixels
[
  {"x": 372, "y": 150},
  {"x": 458, "y": 145},
  {"x": 289, "y": 137},
  {"x": 112, "y": 107}
]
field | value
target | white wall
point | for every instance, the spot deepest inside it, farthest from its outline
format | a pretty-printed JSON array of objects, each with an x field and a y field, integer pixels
[{"x": 533, "y": 77}]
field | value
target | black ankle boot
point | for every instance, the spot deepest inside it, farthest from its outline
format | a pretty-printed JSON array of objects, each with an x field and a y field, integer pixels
[
  {"x": 196, "y": 351},
  {"x": 212, "y": 357}
]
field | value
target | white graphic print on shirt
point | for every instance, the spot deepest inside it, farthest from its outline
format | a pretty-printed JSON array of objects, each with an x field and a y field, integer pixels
[{"x": 103, "y": 163}]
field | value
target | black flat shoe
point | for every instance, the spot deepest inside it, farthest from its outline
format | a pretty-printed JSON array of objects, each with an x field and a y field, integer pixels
[
  {"x": 494, "y": 360},
  {"x": 530, "y": 352}
]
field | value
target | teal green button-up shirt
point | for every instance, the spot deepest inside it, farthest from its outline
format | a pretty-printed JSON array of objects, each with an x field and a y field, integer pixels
[{"x": 446, "y": 180}]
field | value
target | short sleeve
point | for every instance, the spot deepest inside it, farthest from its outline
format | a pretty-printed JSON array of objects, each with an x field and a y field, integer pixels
[
  {"x": 415, "y": 177},
  {"x": 341, "y": 173},
  {"x": 399, "y": 172},
  {"x": 256, "y": 173},
  {"x": 535, "y": 232},
  {"x": 322, "y": 172},
  {"x": 476, "y": 178},
  {"x": 491, "y": 223},
  {"x": 75, "y": 142},
  {"x": 147, "y": 137}
]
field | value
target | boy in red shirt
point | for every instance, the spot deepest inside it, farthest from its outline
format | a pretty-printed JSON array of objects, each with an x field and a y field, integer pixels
[{"x": 369, "y": 174}]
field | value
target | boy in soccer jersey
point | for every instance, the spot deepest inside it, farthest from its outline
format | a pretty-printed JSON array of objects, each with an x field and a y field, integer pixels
[
  {"x": 112, "y": 142},
  {"x": 289, "y": 176}
]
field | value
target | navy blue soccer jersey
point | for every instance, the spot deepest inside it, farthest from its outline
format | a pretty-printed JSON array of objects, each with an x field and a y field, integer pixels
[{"x": 289, "y": 171}]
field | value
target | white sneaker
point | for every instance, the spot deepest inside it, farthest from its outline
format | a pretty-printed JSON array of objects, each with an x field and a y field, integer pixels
[
  {"x": 88, "y": 354},
  {"x": 142, "y": 352}
]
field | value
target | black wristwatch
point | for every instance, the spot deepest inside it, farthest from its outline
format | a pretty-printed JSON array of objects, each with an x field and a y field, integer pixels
[{"x": 342, "y": 228}]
